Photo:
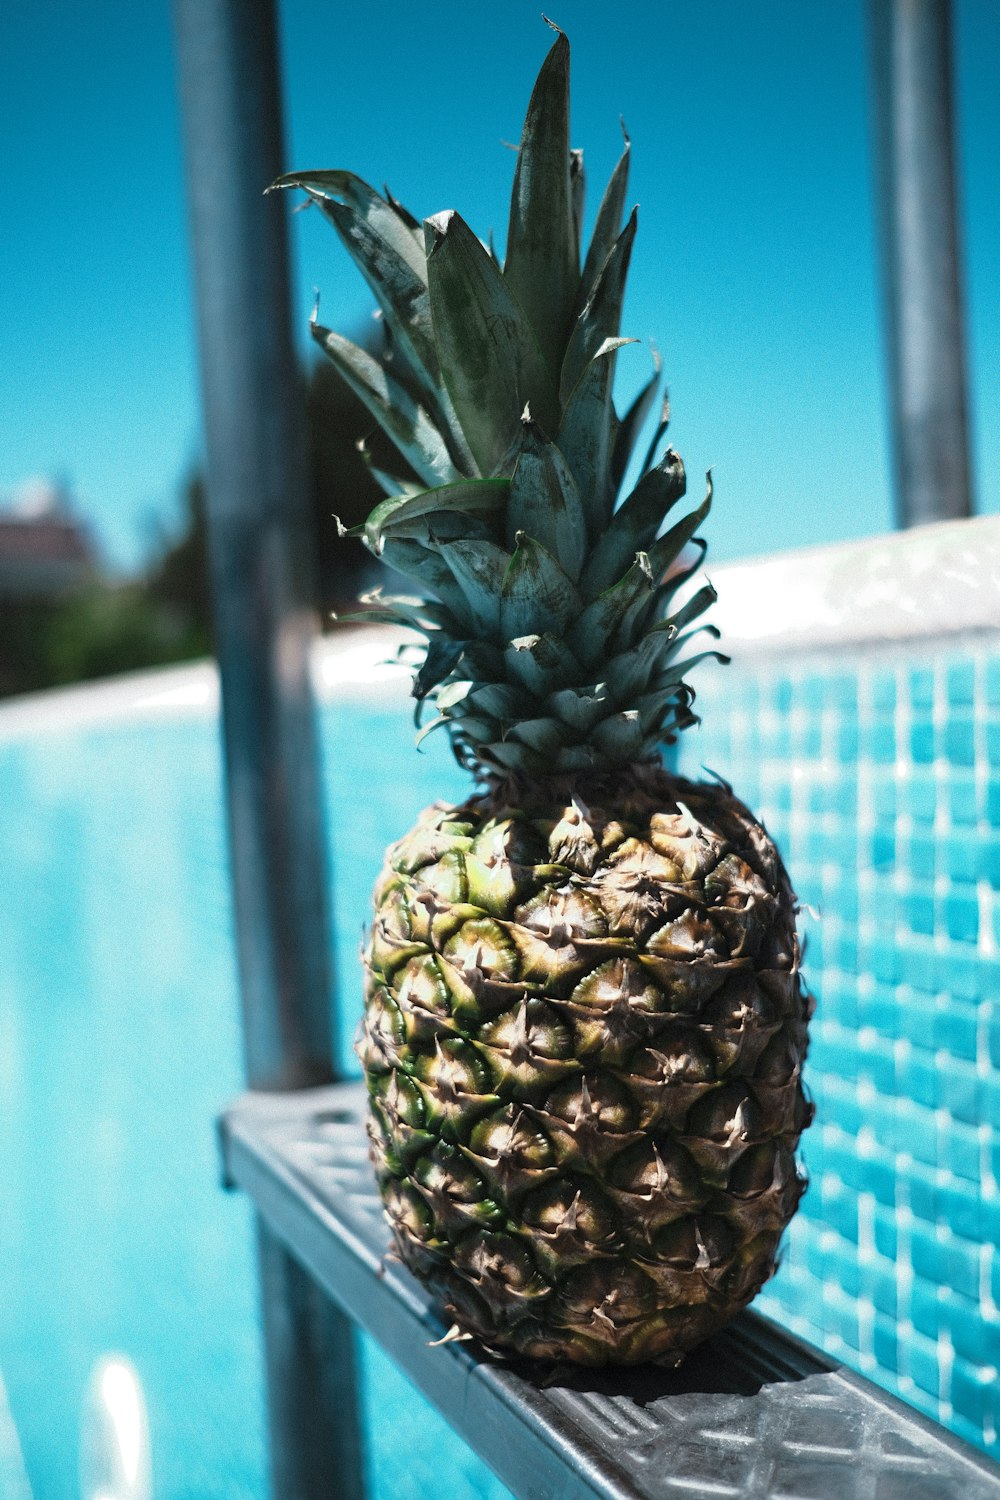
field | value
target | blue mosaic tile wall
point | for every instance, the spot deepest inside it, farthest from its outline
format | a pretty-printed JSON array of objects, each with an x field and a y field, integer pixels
[{"x": 879, "y": 777}]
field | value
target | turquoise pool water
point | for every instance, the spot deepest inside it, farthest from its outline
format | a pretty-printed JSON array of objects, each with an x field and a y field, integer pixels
[{"x": 119, "y": 1044}]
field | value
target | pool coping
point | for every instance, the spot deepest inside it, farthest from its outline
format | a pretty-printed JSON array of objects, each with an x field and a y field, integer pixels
[{"x": 932, "y": 583}]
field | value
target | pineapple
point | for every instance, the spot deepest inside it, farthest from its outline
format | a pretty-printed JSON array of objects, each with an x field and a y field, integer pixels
[{"x": 585, "y": 1023}]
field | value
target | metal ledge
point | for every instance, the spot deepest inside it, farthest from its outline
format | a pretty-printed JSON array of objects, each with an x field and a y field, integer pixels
[{"x": 753, "y": 1414}]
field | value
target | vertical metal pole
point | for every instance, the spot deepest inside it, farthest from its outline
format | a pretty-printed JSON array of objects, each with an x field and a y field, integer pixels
[
  {"x": 261, "y": 568},
  {"x": 914, "y": 131}
]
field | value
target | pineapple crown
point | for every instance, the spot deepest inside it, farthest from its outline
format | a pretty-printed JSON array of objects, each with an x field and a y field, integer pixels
[{"x": 554, "y": 641}]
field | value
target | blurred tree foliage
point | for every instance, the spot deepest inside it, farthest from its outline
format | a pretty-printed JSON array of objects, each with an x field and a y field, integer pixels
[{"x": 165, "y": 614}]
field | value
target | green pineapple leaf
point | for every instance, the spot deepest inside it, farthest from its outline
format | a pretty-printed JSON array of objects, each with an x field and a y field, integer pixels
[
  {"x": 393, "y": 484},
  {"x": 541, "y": 662},
  {"x": 653, "y": 707},
  {"x": 489, "y": 358},
  {"x": 620, "y": 737},
  {"x": 384, "y": 219},
  {"x": 401, "y": 418},
  {"x": 399, "y": 290},
  {"x": 580, "y": 708},
  {"x": 410, "y": 220},
  {"x": 549, "y": 642},
  {"x": 498, "y": 699},
  {"x": 602, "y": 618},
  {"x": 468, "y": 497},
  {"x": 601, "y": 318},
  {"x": 478, "y": 567},
  {"x": 544, "y": 736},
  {"x": 441, "y": 656},
  {"x": 665, "y": 551},
  {"x": 586, "y": 434},
  {"x": 578, "y": 193},
  {"x": 678, "y": 671},
  {"x": 544, "y": 501},
  {"x": 426, "y": 566},
  {"x": 542, "y": 267},
  {"x": 632, "y": 670},
  {"x": 632, "y": 424},
  {"x": 608, "y": 224},
  {"x": 695, "y": 606},
  {"x": 536, "y": 596},
  {"x": 635, "y": 524}
]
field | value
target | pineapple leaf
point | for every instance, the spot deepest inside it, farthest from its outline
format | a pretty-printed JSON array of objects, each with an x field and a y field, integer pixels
[
  {"x": 542, "y": 265},
  {"x": 479, "y": 731},
  {"x": 679, "y": 670},
  {"x": 432, "y": 529},
  {"x": 402, "y": 296},
  {"x": 601, "y": 317},
  {"x": 585, "y": 434},
  {"x": 535, "y": 595},
  {"x": 453, "y": 694},
  {"x": 603, "y": 616},
  {"x": 574, "y": 758},
  {"x": 541, "y": 662},
  {"x": 695, "y": 606},
  {"x": 426, "y": 567},
  {"x": 632, "y": 423},
  {"x": 394, "y": 409},
  {"x": 657, "y": 438},
  {"x": 681, "y": 574},
  {"x": 509, "y": 755},
  {"x": 437, "y": 723},
  {"x": 498, "y": 699},
  {"x": 578, "y": 194},
  {"x": 383, "y": 218},
  {"x": 635, "y": 524},
  {"x": 579, "y": 708},
  {"x": 468, "y": 497},
  {"x": 477, "y": 567},
  {"x": 421, "y": 615},
  {"x": 543, "y": 735},
  {"x": 677, "y": 641},
  {"x": 490, "y": 361},
  {"x": 651, "y": 707},
  {"x": 412, "y": 223},
  {"x": 608, "y": 224},
  {"x": 400, "y": 291},
  {"x": 663, "y": 552},
  {"x": 632, "y": 670},
  {"x": 545, "y": 502},
  {"x": 485, "y": 661},
  {"x": 442, "y": 655},
  {"x": 620, "y": 736}
]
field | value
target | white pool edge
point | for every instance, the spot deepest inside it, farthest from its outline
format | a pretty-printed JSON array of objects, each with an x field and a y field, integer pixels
[{"x": 933, "y": 582}]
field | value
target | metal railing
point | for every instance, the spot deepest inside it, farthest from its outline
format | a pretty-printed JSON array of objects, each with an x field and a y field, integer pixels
[
  {"x": 265, "y": 621},
  {"x": 913, "y": 116}
]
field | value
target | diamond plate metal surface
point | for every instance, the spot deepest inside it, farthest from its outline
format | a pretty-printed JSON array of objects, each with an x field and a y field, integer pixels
[{"x": 752, "y": 1414}]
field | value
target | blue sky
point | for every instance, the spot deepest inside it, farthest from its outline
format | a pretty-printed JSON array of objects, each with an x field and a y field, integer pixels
[{"x": 755, "y": 269}]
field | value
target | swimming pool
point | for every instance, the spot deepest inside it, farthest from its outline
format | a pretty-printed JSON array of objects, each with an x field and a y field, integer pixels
[{"x": 119, "y": 1040}]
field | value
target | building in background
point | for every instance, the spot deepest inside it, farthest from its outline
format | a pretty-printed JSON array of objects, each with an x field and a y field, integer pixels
[{"x": 46, "y": 552}]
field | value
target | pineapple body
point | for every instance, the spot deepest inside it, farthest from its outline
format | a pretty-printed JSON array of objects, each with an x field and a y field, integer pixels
[{"x": 584, "y": 1036}]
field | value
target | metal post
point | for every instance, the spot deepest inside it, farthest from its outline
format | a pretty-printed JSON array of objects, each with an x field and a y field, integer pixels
[
  {"x": 265, "y": 622},
  {"x": 914, "y": 133}
]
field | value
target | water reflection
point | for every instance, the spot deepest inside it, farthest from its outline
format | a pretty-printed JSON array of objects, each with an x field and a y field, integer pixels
[{"x": 114, "y": 1434}]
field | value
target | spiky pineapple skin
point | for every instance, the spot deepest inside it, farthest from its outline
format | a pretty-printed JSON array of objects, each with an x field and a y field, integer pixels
[{"x": 583, "y": 1040}]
